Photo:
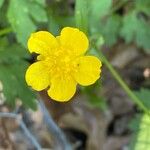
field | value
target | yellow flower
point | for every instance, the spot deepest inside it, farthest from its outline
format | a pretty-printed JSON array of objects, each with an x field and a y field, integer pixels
[{"x": 61, "y": 63}]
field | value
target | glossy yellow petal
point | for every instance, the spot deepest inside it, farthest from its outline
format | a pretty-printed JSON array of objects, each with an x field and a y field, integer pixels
[
  {"x": 74, "y": 40},
  {"x": 62, "y": 88},
  {"x": 37, "y": 76},
  {"x": 42, "y": 42},
  {"x": 88, "y": 70}
]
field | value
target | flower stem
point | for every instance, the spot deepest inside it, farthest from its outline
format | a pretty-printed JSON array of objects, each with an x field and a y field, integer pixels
[
  {"x": 115, "y": 74},
  {"x": 5, "y": 31}
]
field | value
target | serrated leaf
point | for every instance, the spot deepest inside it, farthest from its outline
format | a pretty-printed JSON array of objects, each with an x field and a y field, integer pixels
[
  {"x": 12, "y": 55},
  {"x": 19, "y": 15},
  {"x": 110, "y": 29},
  {"x": 12, "y": 78},
  {"x": 144, "y": 95},
  {"x": 8, "y": 81},
  {"x": 136, "y": 29},
  {"x": 26, "y": 95},
  {"x": 12, "y": 71},
  {"x": 140, "y": 139},
  {"x": 143, "y": 36},
  {"x": 128, "y": 29},
  {"x": 97, "y": 10}
]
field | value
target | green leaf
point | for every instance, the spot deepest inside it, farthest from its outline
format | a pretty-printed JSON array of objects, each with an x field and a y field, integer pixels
[
  {"x": 19, "y": 15},
  {"x": 41, "y": 2},
  {"x": 1, "y": 3},
  {"x": 53, "y": 25},
  {"x": 140, "y": 139},
  {"x": 3, "y": 42},
  {"x": 12, "y": 54},
  {"x": 81, "y": 15},
  {"x": 42, "y": 16},
  {"x": 129, "y": 27},
  {"x": 136, "y": 29},
  {"x": 8, "y": 81},
  {"x": 143, "y": 6},
  {"x": 95, "y": 100},
  {"x": 89, "y": 12},
  {"x": 26, "y": 95},
  {"x": 144, "y": 95},
  {"x": 97, "y": 10},
  {"x": 12, "y": 72},
  {"x": 143, "y": 35},
  {"x": 12, "y": 78},
  {"x": 110, "y": 29},
  {"x": 57, "y": 22}
]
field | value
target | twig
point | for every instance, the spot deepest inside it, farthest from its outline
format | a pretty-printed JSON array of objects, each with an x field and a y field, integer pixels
[
  {"x": 23, "y": 126},
  {"x": 59, "y": 137}
]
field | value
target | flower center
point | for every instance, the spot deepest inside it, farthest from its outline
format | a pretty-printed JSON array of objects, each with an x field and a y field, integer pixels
[{"x": 62, "y": 64}]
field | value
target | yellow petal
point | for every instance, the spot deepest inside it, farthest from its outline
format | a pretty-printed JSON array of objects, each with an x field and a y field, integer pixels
[
  {"x": 88, "y": 70},
  {"x": 42, "y": 42},
  {"x": 62, "y": 88},
  {"x": 74, "y": 40},
  {"x": 37, "y": 76}
]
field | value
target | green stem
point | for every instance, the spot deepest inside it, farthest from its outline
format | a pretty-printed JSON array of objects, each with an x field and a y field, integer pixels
[
  {"x": 133, "y": 97},
  {"x": 5, "y": 31}
]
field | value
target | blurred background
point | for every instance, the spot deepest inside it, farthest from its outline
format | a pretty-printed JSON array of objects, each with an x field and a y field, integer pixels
[{"x": 99, "y": 117}]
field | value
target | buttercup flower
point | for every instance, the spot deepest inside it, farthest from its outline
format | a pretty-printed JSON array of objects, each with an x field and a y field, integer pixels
[{"x": 61, "y": 63}]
